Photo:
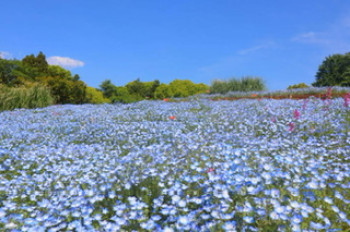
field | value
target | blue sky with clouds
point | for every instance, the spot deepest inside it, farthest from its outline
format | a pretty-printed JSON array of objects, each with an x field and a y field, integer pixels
[{"x": 283, "y": 42}]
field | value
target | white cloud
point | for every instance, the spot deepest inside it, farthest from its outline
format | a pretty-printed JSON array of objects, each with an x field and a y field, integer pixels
[
  {"x": 65, "y": 62},
  {"x": 268, "y": 44},
  {"x": 5, "y": 55}
]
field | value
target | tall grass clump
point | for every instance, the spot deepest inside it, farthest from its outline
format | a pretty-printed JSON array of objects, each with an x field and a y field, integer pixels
[
  {"x": 244, "y": 84},
  {"x": 35, "y": 96}
]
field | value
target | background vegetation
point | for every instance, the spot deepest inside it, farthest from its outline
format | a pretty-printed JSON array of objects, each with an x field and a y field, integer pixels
[
  {"x": 33, "y": 77},
  {"x": 32, "y": 82},
  {"x": 22, "y": 97},
  {"x": 334, "y": 71},
  {"x": 298, "y": 86},
  {"x": 244, "y": 84}
]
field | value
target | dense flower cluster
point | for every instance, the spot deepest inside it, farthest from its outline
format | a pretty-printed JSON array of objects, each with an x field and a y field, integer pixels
[{"x": 278, "y": 165}]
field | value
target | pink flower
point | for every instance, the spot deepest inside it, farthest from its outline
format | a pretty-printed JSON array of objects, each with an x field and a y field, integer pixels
[
  {"x": 210, "y": 170},
  {"x": 273, "y": 119},
  {"x": 296, "y": 114},
  {"x": 291, "y": 126},
  {"x": 347, "y": 100}
]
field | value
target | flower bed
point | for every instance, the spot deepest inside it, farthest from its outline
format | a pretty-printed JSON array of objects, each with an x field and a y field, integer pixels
[{"x": 200, "y": 165}]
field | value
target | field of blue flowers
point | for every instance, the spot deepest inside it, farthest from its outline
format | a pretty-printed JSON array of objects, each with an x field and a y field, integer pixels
[{"x": 200, "y": 165}]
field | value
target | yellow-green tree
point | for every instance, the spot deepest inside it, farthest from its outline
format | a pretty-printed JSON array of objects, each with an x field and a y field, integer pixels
[{"x": 95, "y": 96}]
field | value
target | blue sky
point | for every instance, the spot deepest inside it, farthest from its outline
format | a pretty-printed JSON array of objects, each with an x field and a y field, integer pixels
[{"x": 283, "y": 42}]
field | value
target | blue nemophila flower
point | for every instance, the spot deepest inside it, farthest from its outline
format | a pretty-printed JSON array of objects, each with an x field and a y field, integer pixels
[
  {"x": 80, "y": 159},
  {"x": 328, "y": 200},
  {"x": 184, "y": 220},
  {"x": 168, "y": 229},
  {"x": 248, "y": 219},
  {"x": 229, "y": 226}
]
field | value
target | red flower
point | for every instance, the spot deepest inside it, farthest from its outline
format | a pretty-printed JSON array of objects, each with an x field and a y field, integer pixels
[
  {"x": 166, "y": 99},
  {"x": 172, "y": 117}
]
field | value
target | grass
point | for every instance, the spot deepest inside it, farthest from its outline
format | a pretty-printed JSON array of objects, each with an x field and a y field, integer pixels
[
  {"x": 245, "y": 84},
  {"x": 22, "y": 97}
]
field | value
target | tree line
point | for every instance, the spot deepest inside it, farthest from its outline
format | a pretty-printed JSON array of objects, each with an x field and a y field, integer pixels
[{"x": 67, "y": 88}]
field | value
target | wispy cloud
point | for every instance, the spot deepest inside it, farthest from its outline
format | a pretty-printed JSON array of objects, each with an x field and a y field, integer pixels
[
  {"x": 65, "y": 62},
  {"x": 334, "y": 38},
  {"x": 311, "y": 37},
  {"x": 256, "y": 48},
  {"x": 5, "y": 55}
]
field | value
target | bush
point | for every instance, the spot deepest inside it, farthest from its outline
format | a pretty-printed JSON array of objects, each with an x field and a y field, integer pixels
[
  {"x": 298, "y": 86},
  {"x": 163, "y": 91},
  {"x": 21, "y": 97},
  {"x": 244, "y": 84}
]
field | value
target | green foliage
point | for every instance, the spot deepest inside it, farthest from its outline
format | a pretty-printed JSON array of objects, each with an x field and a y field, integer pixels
[
  {"x": 298, "y": 86},
  {"x": 244, "y": 84},
  {"x": 22, "y": 97},
  {"x": 137, "y": 88},
  {"x": 182, "y": 88},
  {"x": 34, "y": 70},
  {"x": 35, "y": 66},
  {"x": 65, "y": 90},
  {"x": 58, "y": 72},
  {"x": 108, "y": 89},
  {"x": 122, "y": 95},
  {"x": 7, "y": 75},
  {"x": 95, "y": 96},
  {"x": 163, "y": 91},
  {"x": 334, "y": 71}
]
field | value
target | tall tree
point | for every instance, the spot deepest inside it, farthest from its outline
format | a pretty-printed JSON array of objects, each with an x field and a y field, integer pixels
[
  {"x": 7, "y": 76},
  {"x": 35, "y": 66},
  {"x": 108, "y": 89},
  {"x": 334, "y": 70}
]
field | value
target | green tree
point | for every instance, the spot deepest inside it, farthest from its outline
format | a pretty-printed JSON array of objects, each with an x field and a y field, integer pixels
[
  {"x": 123, "y": 96},
  {"x": 183, "y": 88},
  {"x": 7, "y": 75},
  {"x": 108, "y": 89},
  {"x": 65, "y": 90},
  {"x": 95, "y": 96},
  {"x": 334, "y": 71},
  {"x": 35, "y": 66},
  {"x": 59, "y": 72},
  {"x": 137, "y": 88},
  {"x": 150, "y": 88},
  {"x": 163, "y": 91}
]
